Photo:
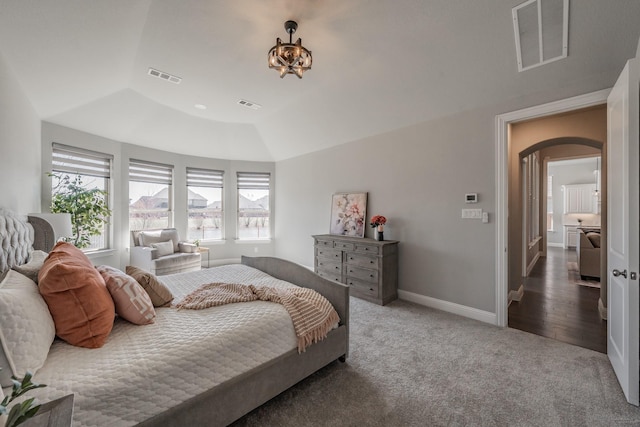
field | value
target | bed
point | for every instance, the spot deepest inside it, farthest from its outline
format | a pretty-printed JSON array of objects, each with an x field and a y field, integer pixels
[{"x": 190, "y": 367}]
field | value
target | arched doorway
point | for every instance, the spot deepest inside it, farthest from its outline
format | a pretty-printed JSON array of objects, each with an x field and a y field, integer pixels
[{"x": 555, "y": 307}]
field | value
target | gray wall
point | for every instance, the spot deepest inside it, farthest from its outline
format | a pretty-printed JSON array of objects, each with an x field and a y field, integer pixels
[
  {"x": 417, "y": 177},
  {"x": 19, "y": 147}
]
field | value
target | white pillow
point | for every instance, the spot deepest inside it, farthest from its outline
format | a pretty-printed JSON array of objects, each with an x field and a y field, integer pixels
[
  {"x": 163, "y": 248},
  {"x": 26, "y": 327}
]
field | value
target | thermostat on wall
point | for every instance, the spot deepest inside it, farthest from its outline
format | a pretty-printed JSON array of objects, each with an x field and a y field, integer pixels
[{"x": 471, "y": 198}]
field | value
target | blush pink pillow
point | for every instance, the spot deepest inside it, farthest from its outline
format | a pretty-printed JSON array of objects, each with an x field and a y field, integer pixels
[{"x": 131, "y": 300}]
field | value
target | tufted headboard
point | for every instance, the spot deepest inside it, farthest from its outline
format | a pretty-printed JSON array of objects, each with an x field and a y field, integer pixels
[{"x": 16, "y": 240}]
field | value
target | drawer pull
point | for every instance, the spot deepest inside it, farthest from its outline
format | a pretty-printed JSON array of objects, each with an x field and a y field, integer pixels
[
  {"x": 337, "y": 268},
  {"x": 370, "y": 262},
  {"x": 371, "y": 275}
]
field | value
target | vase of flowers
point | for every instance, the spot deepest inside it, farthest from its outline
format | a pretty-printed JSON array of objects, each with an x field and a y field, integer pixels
[{"x": 378, "y": 222}]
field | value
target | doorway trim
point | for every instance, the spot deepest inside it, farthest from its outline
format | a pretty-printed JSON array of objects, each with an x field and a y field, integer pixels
[{"x": 502, "y": 182}]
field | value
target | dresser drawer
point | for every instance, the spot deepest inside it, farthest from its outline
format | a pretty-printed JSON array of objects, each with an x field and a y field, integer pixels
[
  {"x": 326, "y": 243},
  {"x": 366, "y": 249},
  {"x": 359, "y": 287},
  {"x": 326, "y": 265},
  {"x": 362, "y": 274},
  {"x": 333, "y": 254},
  {"x": 362, "y": 260},
  {"x": 334, "y": 276},
  {"x": 343, "y": 246}
]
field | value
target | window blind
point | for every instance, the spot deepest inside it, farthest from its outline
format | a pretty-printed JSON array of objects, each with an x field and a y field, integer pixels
[
  {"x": 155, "y": 173},
  {"x": 253, "y": 180},
  {"x": 204, "y": 178},
  {"x": 79, "y": 161}
]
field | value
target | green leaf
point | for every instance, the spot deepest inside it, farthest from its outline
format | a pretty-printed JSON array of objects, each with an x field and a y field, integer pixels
[
  {"x": 21, "y": 412},
  {"x": 88, "y": 207}
]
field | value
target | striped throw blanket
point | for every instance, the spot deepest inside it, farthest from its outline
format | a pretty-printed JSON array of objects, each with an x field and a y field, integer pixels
[{"x": 311, "y": 313}]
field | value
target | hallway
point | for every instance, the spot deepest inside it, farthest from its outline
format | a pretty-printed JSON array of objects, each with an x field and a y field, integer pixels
[{"x": 554, "y": 307}]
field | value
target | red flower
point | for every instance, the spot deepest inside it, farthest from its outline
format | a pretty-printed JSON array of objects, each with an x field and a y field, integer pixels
[{"x": 378, "y": 220}]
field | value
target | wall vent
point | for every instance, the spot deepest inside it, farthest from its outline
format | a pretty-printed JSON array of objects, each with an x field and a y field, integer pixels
[
  {"x": 541, "y": 30},
  {"x": 164, "y": 76},
  {"x": 249, "y": 104}
]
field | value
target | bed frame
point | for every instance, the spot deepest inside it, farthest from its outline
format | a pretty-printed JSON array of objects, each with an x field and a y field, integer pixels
[{"x": 238, "y": 396}]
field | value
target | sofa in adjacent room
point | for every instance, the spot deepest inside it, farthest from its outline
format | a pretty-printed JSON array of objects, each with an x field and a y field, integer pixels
[{"x": 588, "y": 251}]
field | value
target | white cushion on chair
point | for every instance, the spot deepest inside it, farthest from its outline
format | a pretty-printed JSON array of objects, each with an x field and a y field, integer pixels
[
  {"x": 164, "y": 248},
  {"x": 147, "y": 238}
]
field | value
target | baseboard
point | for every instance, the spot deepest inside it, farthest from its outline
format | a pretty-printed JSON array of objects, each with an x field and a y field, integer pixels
[
  {"x": 533, "y": 262},
  {"x": 602, "y": 309},
  {"x": 516, "y": 295},
  {"x": 555, "y": 245},
  {"x": 450, "y": 307}
]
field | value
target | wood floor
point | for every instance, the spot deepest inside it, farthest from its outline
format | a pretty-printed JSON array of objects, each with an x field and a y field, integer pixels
[{"x": 556, "y": 308}]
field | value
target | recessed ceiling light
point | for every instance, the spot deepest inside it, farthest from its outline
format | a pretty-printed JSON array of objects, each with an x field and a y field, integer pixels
[{"x": 200, "y": 106}]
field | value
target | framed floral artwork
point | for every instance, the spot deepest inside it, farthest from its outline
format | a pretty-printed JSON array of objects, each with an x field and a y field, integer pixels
[{"x": 348, "y": 214}]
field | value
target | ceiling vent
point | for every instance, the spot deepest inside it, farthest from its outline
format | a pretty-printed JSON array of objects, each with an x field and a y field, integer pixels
[
  {"x": 249, "y": 104},
  {"x": 542, "y": 32},
  {"x": 164, "y": 76}
]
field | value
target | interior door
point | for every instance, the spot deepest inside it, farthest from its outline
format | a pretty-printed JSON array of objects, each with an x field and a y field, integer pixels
[{"x": 623, "y": 229}]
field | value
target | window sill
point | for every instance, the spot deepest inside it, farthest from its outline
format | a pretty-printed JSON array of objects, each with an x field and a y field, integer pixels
[
  {"x": 253, "y": 241},
  {"x": 212, "y": 242},
  {"x": 101, "y": 253}
]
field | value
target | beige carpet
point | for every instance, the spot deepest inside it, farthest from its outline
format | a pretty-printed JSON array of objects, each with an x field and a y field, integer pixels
[{"x": 574, "y": 277}]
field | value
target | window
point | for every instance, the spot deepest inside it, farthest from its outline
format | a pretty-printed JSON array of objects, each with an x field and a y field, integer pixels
[
  {"x": 253, "y": 205},
  {"x": 204, "y": 204},
  {"x": 150, "y": 195},
  {"x": 88, "y": 169},
  {"x": 531, "y": 199}
]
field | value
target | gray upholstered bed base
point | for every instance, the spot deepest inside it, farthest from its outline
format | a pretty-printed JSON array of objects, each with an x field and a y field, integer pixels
[{"x": 233, "y": 399}]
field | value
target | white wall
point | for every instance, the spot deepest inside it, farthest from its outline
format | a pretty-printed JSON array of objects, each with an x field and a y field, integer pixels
[
  {"x": 19, "y": 135},
  {"x": 567, "y": 173}
]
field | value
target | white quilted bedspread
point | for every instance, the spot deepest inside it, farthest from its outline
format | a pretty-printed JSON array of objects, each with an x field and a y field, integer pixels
[{"x": 143, "y": 370}]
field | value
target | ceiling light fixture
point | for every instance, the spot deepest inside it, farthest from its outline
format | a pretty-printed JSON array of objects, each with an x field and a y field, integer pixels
[{"x": 290, "y": 58}]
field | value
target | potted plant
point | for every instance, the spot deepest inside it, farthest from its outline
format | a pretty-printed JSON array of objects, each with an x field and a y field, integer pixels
[
  {"x": 19, "y": 412},
  {"x": 88, "y": 207}
]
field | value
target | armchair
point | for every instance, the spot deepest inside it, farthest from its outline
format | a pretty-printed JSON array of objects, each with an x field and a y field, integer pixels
[
  {"x": 161, "y": 252},
  {"x": 588, "y": 252}
]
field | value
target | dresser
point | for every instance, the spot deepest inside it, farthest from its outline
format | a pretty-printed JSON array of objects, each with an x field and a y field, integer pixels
[{"x": 368, "y": 266}]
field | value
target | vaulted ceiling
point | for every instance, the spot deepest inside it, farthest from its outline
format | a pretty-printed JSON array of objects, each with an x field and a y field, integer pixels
[{"x": 377, "y": 66}]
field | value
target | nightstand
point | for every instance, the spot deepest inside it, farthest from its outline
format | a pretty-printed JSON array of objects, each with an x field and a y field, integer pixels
[{"x": 203, "y": 250}]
